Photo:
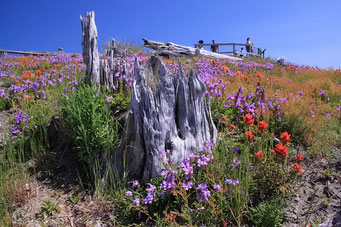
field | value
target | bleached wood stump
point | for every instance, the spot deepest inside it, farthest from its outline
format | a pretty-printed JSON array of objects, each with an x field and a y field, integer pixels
[{"x": 167, "y": 111}]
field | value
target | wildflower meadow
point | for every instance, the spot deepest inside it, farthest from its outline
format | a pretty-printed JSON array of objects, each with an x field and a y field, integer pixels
[{"x": 273, "y": 120}]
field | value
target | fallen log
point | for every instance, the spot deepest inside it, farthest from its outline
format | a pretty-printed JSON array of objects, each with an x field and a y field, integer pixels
[{"x": 171, "y": 49}]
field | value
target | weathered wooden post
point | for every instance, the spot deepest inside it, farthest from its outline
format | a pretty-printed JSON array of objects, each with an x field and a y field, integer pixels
[{"x": 90, "y": 50}]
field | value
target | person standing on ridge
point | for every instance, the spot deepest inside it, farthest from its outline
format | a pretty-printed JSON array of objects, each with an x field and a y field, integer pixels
[
  {"x": 249, "y": 45},
  {"x": 214, "y": 47}
]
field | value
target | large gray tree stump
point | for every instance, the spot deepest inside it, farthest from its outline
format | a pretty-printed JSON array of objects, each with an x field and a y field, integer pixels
[
  {"x": 167, "y": 111},
  {"x": 90, "y": 50}
]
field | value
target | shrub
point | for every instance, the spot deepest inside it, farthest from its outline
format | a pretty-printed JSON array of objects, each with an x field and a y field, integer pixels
[
  {"x": 268, "y": 214},
  {"x": 88, "y": 121},
  {"x": 4, "y": 104}
]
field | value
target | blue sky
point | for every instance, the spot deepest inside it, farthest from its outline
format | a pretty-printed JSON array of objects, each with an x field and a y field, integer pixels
[{"x": 304, "y": 31}]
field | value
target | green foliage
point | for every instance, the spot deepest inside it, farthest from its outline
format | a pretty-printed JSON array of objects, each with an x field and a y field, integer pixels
[
  {"x": 4, "y": 104},
  {"x": 120, "y": 102},
  {"x": 268, "y": 214},
  {"x": 89, "y": 123},
  {"x": 48, "y": 207},
  {"x": 73, "y": 199},
  {"x": 292, "y": 124},
  {"x": 221, "y": 116}
]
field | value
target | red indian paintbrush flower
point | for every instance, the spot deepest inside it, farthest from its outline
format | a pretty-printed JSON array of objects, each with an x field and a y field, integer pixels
[
  {"x": 249, "y": 135},
  {"x": 285, "y": 137},
  {"x": 263, "y": 126},
  {"x": 248, "y": 119},
  {"x": 232, "y": 126},
  {"x": 300, "y": 157},
  {"x": 259, "y": 155},
  {"x": 297, "y": 167},
  {"x": 281, "y": 150}
]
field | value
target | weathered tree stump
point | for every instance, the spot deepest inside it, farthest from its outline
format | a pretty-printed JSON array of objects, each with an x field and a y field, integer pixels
[
  {"x": 90, "y": 50},
  {"x": 167, "y": 112}
]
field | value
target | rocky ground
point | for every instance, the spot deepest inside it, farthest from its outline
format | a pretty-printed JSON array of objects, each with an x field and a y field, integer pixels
[{"x": 317, "y": 196}]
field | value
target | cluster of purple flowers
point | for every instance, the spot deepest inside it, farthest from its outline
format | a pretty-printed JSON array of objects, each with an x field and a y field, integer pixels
[
  {"x": 231, "y": 181},
  {"x": 204, "y": 193},
  {"x": 21, "y": 122},
  {"x": 150, "y": 195}
]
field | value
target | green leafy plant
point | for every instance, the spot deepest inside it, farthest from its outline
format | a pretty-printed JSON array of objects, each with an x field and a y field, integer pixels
[
  {"x": 48, "y": 207},
  {"x": 268, "y": 214},
  {"x": 73, "y": 199},
  {"x": 88, "y": 121},
  {"x": 4, "y": 104}
]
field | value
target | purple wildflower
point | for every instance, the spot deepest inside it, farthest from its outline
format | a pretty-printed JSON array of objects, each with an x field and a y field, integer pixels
[
  {"x": 217, "y": 187},
  {"x": 204, "y": 192},
  {"x": 136, "y": 202},
  {"x": 151, "y": 194},
  {"x": 187, "y": 185}
]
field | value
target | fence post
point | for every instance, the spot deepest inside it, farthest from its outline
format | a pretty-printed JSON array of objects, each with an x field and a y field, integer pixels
[{"x": 234, "y": 49}]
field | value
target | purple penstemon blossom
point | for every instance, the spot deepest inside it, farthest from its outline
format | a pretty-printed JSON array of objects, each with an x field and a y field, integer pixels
[
  {"x": 187, "y": 185},
  {"x": 204, "y": 193},
  {"x": 150, "y": 195},
  {"x": 134, "y": 185},
  {"x": 322, "y": 93},
  {"x": 136, "y": 202},
  {"x": 231, "y": 181},
  {"x": 217, "y": 187},
  {"x": 234, "y": 164},
  {"x": 168, "y": 183}
]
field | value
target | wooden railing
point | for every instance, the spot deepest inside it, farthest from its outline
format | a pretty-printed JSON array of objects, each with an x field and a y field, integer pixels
[
  {"x": 257, "y": 51},
  {"x": 5, "y": 52}
]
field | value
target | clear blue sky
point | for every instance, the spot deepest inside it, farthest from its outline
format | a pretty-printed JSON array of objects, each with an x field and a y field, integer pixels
[{"x": 304, "y": 31}]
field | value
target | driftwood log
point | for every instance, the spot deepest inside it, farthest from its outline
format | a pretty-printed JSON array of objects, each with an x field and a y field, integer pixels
[
  {"x": 171, "y": 49},
  {"x": 167, "y": 112}
]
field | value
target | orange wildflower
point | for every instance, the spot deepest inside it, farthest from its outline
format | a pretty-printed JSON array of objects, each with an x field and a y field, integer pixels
[
  {"x": 232, "y": 126},
  {"x": 285, "y": 137},
  {"x": 263, "y": 126},
  {"x": 259, "y": 155},
  {"x": 281, "y": 150},
  {"x": 248, "y": 119},
  {"x": 297, "y": 168},
  {"x": 249, "y": 135},
  {"x": 27, "y": 97},
  {"x": 300, "y": 157}
]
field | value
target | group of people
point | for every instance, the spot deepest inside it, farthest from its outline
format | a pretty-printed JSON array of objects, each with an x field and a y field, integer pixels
[{"x": 215, "y": 47}]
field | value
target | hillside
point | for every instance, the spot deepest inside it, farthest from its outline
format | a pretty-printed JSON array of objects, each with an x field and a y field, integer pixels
[{"x": 276, "y": 160}]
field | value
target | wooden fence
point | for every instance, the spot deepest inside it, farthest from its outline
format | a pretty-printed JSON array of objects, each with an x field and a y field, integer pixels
[
  {"x": 257, "y": 51},
  {"x": 5, "y": 52}
]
